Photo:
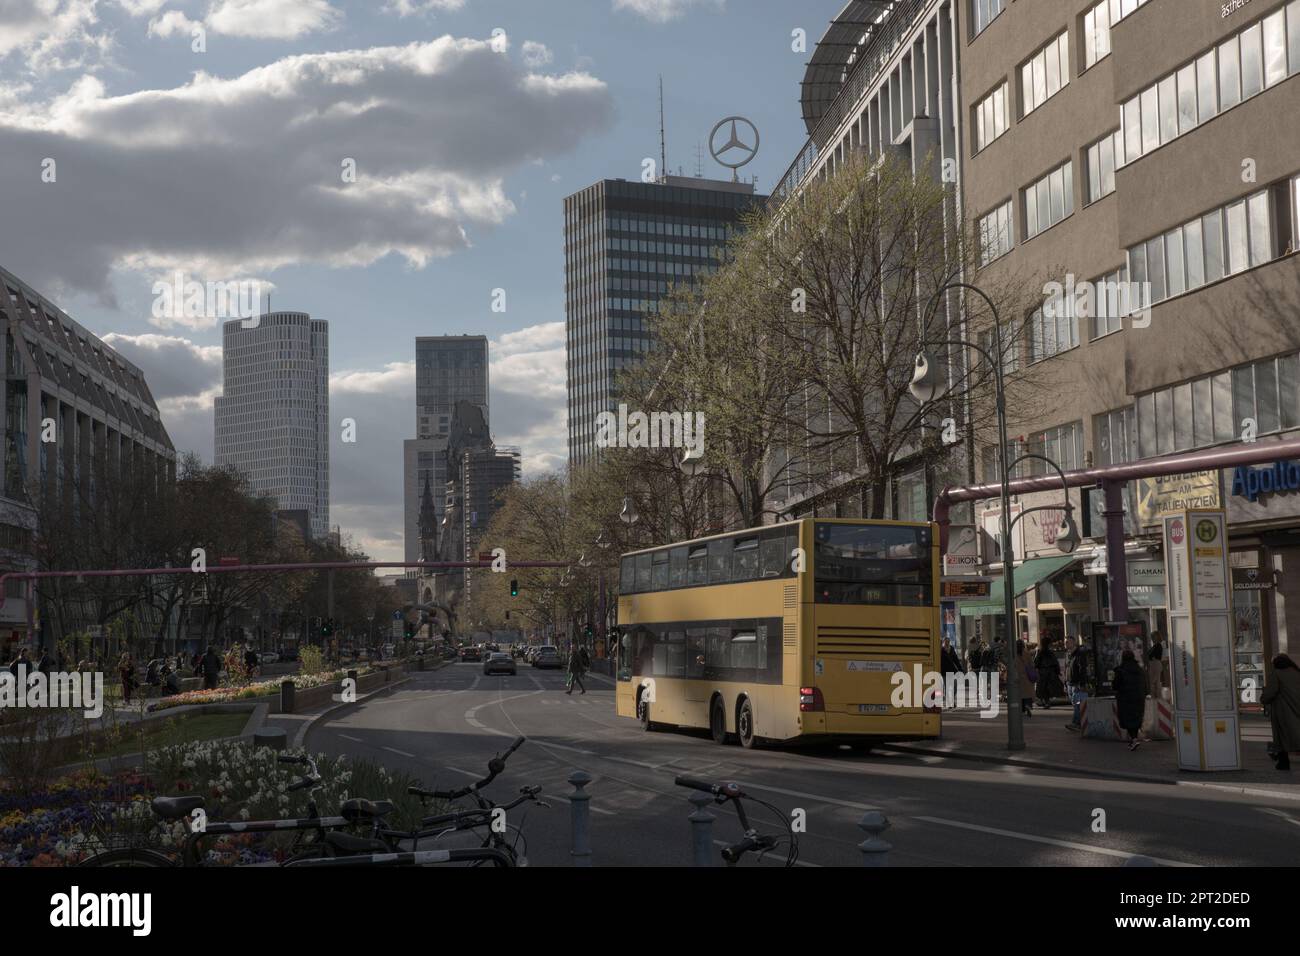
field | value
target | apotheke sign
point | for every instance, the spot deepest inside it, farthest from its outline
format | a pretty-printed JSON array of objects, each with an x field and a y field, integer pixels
[{"x": 1278, "y": 478}]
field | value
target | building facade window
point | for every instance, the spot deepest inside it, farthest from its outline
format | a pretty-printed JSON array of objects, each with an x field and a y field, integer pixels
[
  {"x": 1116, "y": 436},
  {"x": 996, "y": 237},
  {"x": 1049, "y": 200},
  {"x": 1045, "y": 74},
  {"x": 1243, "y": 66},
  {"x": 991, "y": 117},
  {"x": 1223, "y": 242},
  {"x": 1103, "y": 157},
  {"x": 1053, "y": 328},
  {"x": 984, "y": 12},
  {"x": 1097, "y": 23},
  {"x": 1110, "y": 302}
]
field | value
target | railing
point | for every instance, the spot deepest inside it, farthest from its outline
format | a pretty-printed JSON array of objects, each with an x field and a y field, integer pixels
[{"x": 888, "y": 35}]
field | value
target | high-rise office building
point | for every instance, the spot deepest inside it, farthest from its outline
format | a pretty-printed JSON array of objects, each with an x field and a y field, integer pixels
[
  {"x": 625, "y": 244},
  {"x": 448, "y": 369},
  {"x": 272, "y": 419}
]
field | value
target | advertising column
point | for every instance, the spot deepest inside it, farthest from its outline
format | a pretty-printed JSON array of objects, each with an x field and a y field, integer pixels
[{"x": 1200, "y": 640}]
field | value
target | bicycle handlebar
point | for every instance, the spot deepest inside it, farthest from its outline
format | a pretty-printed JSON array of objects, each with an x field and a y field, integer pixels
[
  {"x": 460, "y": 817},
  {"x": 495, "y": 767},
  {"x": 303, "y": 784},
  {"x": 722, "y": 791}
]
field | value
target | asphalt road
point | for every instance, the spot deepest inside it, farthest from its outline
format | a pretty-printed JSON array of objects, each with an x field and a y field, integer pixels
[{"x": 443, "y": 726}]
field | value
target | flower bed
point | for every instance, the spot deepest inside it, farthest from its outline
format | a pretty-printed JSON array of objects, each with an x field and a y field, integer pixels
[
  {"x": 87, "y": 811},
  {"x": 240, "y": 692}
]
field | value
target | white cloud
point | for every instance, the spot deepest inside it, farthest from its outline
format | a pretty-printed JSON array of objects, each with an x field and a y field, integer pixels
[
  {"x": 51, "y": 35},
  {"x": 536, "y": 55},
  {"x": 271, "y": 19},
  {"x": 661, "y": 11},
  {"x": 179, "y": 178},
  {"x": 141, "y": 8},
  {"x": 172, "y": 22},
  {"x": 410, "y": 8},
  {"x": 393, "y": 377},
  {"x": 529, "y": 397}
]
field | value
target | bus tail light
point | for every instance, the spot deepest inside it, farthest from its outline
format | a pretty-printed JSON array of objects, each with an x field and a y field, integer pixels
[{"x": 810, "y": 699}]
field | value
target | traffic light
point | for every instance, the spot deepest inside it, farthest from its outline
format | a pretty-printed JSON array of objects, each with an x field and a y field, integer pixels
[
  {"x": 409, "y": 630},
  {"x": 327, "y": 626},
  {"x": 514, "y": 587},
  {"x": 589, "y": 632}
]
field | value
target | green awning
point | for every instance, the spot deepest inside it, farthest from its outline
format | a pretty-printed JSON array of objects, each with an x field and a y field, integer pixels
[{"x": 1028, "y": 574}]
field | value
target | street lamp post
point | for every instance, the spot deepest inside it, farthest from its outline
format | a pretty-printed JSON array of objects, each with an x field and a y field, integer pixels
[{"x": 927, "y": 384}]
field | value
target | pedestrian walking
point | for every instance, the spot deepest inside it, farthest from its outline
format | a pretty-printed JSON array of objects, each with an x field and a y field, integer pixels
[
  {"x": 1077, "y": 688},
  {"x": 46, "y": 663},
  {"x": 20, "y": 661},
  {"x": 1048, "y": 686},
  {"x": 250, "y": 661},
  {"x": 1281, "y": 698},
  {"x": 126, "y": 670},
  {"x": 1130, "y": 696},
  {"x": 576, "y": 670},
  {"x": 1155, "y": 666},
  {"x": 1027, "y": 676}
]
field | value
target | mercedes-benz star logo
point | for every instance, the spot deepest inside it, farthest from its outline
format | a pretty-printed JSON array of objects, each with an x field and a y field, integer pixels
[{"x": 734, "y": 144}]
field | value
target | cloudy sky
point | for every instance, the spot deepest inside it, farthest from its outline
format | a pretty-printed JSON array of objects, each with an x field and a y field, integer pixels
[{"x": 216, "y": 137}]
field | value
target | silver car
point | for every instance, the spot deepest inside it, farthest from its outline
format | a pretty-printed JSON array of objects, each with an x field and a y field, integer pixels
[{"x": 499, "y": 662}]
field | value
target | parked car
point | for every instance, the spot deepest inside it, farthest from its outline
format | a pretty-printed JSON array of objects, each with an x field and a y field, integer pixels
[
  {"x": 548, "y": 655},
  {"x": 499, "y": 662},
  {"x": 470, "y": 654},
  {"x": 268, "y": 657}
]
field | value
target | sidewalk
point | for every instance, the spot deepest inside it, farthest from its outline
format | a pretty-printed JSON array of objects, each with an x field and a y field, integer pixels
[{"x": 1049, "y": 746}]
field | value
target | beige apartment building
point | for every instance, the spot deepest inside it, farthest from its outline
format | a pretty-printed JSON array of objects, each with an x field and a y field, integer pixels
[
  {"x": 1138, "y": 161},
  {"x": 1152, "y": 145}
]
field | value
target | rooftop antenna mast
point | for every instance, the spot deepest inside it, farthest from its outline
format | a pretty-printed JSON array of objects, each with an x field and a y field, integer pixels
[{"x": 663, "y": 148}]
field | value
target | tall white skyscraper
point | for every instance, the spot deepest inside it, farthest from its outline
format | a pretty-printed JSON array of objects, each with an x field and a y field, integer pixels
[{"x": 272, "y": 420}]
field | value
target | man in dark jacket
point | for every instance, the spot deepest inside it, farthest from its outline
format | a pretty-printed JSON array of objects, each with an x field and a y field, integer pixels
[
  {"x": 211, "y": 668},
  {"x": 1076, "y": 680},
  {"x": 1282, "y": 698},
  {"x": 1130, "y": 686},
  {"x": 576, "y": 670}
]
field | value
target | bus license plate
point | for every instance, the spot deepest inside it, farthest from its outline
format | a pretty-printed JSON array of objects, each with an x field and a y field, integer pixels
[{"x": 873, "y": 708}]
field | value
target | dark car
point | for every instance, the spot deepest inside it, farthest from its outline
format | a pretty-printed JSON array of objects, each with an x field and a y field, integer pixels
[
  {"x": 548, "y": 655},
  {"x": 470, "y": 654},
  {"x": 498, "y": 662}
]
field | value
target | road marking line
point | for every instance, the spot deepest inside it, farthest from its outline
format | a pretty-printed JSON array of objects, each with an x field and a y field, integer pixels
[
  {"x": 473, "y": 721},
  {"x": 396, "y": 751},
  {"x": 356, "y": 740},
  {"x": 467, "y": 773},
  {"x": 1279, "y": 813},
  {"x": 590, "y": 805},
  {"x": 1066, "y": 844}
]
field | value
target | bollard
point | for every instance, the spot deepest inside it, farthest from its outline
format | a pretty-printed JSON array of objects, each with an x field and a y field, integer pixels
[
  {"x": 701, "y": 830},
  {"x": 875, "y": 851},
  {"x": 273, "y": 737},
  {"x": 286, "y": 697},
  {"x": 580, "y": 804}
]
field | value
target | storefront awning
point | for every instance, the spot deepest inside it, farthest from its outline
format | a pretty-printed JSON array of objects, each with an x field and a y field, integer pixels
[{"x": 1028, "y": 574}]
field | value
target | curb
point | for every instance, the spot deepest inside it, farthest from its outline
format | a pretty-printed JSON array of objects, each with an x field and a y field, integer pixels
[
  {"x": 1246, "y": 789},
  {"x": 306, "y": 728}
]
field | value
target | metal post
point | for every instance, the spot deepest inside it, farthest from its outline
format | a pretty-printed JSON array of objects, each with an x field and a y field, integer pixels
[
  {"x": 875, "y": 851},
  {"x": 1015, "y": 723},
  {"x": 701, "y": 830},
  {"x": 580, "y": 804},
  {"x": 1116, "y": 564}
]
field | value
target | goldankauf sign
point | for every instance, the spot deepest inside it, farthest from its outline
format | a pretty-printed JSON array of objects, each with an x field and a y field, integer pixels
[{"x": 1278, "y": 478}]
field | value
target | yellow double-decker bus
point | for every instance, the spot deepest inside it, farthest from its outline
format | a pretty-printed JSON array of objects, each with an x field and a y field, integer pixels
[{"x": 789, "y": 632}]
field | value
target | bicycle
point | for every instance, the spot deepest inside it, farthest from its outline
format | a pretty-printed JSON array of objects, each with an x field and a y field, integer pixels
[
  {"x": 171, "y": 809},
  {"x": 753, "y": 841},
  {"x": 384, "y": 843}
]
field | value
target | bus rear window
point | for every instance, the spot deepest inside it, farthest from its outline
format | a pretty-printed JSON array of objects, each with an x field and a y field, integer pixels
[{"x": 872, "y": 564}]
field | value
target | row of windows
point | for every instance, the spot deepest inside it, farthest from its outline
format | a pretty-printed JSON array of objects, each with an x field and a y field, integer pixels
[
  {"x": 747, "y": 557},
  {"x": 991, "y": 117},
  {"x": 1103, "y": 158},
  {"x": 666, "y": 228},
  {"x": 1049, "y": 200},
  {"x": 732, "y": 650},
  {"x": 1097, "y": 24},
  {"x": 1241, "y": 67},
  {"x": 1045, "y": 74},
  {"x": 1223, "y": 242},
  {"x": 1063, "y": 445},
  {"x": 984, "y": 12},
  {"x": 995, "y": 233}
]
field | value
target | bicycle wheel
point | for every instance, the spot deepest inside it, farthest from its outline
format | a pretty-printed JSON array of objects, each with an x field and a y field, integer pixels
[{"x": 129, "y": 856}]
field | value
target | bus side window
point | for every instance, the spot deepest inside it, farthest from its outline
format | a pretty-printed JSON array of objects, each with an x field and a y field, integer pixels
[
  {"x": 699, "y": 565},
  {"x": 677, "y": 568},
  {"x": 627, "y": 577},
  {"x": 718, "y": 655},
  {"x": 696, "y": 643},
  {"x": 643, "y": 572},
  {"x": 774, "y": 555},
  {"x": 659, "y": 571},
  {"x": 720, "y": 560},
  {"x": 744, "y": 565}
]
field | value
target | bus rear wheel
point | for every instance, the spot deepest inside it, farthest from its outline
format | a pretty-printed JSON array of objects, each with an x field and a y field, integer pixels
[
  {"x": 717, "y": 721},
  {"x": 745, "y": 725},
  {"x": 643, "y": 712}
]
